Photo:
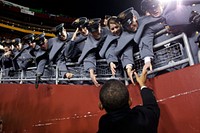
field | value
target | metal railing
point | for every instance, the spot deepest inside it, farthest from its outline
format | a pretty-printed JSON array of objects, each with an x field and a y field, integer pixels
[{"x": 172, "y": 53}]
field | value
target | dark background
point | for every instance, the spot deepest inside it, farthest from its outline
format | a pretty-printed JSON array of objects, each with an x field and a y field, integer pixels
[{"x": 79, "y": 8}]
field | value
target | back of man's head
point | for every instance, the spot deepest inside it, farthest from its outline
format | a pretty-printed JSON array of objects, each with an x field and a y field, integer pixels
[{"x": 114, "y": 95}]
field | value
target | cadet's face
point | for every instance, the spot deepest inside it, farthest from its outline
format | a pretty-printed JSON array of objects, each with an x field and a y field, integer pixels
[
  {"x": 19, "y": 46},
  {"x": 115, "y": 29},
  {"x": 44, "y": 46},
  {"x": 83, "y": 31},
  {"x": 134, "y": 25},
  {"x": 6, "y": 48},
  {"x": 156, "y": 11},
  {"x": 63, "y": 35},
  {"x": 32, "y": 44},
  {"x": 97, "y": 34}
]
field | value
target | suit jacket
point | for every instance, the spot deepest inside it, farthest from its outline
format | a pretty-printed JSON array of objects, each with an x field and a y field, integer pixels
[{"x": 140, "y": 119}]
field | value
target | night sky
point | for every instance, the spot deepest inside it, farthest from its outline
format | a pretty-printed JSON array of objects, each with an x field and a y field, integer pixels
[{"x": 80, "y": 8}]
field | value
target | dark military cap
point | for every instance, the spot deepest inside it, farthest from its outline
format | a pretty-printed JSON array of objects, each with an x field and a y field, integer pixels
[
  {"x": 93, "y": 24},
  {"x": 39, "y": 39},
  {"x": 80, "y": 22},
  {"x": 147, "y": 5},
  {"x": 16, "y": 41},
  {"x": 58, "y": 29},
  {"x": 126, "y": 16},
  {"x": 28, "y": 38}
]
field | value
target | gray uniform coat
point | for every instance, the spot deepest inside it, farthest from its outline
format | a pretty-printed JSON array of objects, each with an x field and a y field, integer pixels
[
  {"x": 125, "y": 48},
  {"x": 23, "y": 58},
  {"x": 57, "y": 52},
  {"x": 76, "y": 48},
  {"x": 91, "y": 50},
  {"x": 107, "y": 51},
  {"x": 42, "y": 59}
]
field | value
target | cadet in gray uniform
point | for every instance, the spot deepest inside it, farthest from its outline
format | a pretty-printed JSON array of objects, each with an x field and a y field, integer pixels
[
  {"x": 93, "y": 44},
  {"x": 58, "y": 45},
  {"x": 79, "y": 37},
  {"x": 77, "y": 44},
  {"x": 24, "y": 55},
  {"x": 7, "y": 56},
  {"x": 164, "y": 15},
  {"x": 42, "y": 57},
  {"x": 126, "y": 45},
  {"x": 107, "y": 50},
  {"x": 6, "y": 59}
]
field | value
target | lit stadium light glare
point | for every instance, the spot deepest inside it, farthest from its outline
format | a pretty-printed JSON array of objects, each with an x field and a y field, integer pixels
[{"x": 167, "y": 1}]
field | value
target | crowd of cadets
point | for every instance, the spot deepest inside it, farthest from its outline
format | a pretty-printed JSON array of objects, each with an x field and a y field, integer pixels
[{"x": 116, "y": 41}]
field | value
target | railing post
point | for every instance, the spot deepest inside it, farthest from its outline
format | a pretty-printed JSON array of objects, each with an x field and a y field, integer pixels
[
  {"x": 57, "y": 74},
  {"x": 1, "y": 73},
  {"x": 187, "y": 48}
]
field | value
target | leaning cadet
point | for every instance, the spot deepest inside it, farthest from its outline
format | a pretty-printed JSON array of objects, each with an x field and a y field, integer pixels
[
  {"x": 93, "y": 44},
  {"x": 126, "y": 45},
  {"x": 79, "y": 37},
  {"x": 164, "y": 14},
  {"x": 107, "y": 50},
  {"x": 42, "y": 57},
  {"x": 6, "y": 63},
  {"x": 77, "y": 44},
  {"x": 186, "y": 18},
  {"x": 7, "y": 56},
  {"x": 18, "y": 48},
  {"x": 24, "y": 55},
  {"x": 58, "y": 46}
]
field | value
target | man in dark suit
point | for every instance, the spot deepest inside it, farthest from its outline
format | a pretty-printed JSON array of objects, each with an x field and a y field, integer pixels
[{"x": 120, "y": 118}]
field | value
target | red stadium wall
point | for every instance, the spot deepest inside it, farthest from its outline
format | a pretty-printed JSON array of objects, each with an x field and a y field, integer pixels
[{"x": 74, "y": 109}]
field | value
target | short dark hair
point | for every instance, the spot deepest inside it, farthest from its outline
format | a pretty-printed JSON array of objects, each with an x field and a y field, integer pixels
[{"x": 114, "y": 95}]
